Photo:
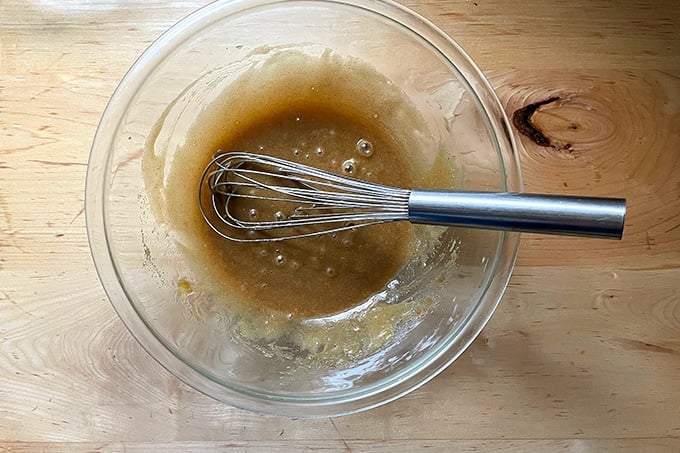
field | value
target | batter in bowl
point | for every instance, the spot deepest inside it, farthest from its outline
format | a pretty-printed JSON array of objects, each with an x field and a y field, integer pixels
[{"x": 325, "y": 111}]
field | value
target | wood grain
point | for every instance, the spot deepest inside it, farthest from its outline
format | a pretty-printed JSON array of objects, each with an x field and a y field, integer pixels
[
  {"x": 613, "y": 133},
  {"x": 491, "y": 446},
  {"x": 583, "y": 354}
]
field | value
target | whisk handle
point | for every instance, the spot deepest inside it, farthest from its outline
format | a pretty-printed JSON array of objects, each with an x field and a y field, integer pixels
[{"x": 552, "y": 214}]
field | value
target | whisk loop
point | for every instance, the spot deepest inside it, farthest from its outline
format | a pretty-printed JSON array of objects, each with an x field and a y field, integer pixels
[
  {"x": 298, "y": 200},
  {"x": 258, "y": 198}
]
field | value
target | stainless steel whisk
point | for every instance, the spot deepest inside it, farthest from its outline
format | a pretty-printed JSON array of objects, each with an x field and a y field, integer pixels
[{"x": 272, "y": 199}]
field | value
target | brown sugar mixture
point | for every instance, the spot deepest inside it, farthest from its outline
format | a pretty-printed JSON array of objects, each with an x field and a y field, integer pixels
[
  {"x": 328, "y": 112},
  {"x": 328, "y": 274}
]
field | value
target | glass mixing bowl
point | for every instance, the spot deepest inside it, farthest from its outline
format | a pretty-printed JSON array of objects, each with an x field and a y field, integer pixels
[{"x": 144, "y": 270}]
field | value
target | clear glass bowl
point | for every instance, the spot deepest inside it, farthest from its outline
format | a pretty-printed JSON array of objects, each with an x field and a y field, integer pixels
[{"x": 139, "y": 264}]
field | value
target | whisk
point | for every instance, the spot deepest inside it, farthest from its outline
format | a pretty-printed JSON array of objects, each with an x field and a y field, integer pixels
[{"x": 259, "y": 198}]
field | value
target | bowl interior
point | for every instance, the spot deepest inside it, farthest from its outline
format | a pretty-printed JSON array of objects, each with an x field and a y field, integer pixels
[{"x": 450, "y": 291}]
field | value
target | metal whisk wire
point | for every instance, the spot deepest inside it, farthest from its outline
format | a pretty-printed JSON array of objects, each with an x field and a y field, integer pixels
[{"x": 321, "y": 202}]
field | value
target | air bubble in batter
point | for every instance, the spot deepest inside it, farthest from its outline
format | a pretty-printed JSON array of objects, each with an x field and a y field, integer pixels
[
  {"x": 349, "y": 166},
  {"x": 364, "y": 147}
]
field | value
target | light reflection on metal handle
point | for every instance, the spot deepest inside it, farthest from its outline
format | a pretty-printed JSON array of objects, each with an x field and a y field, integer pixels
[{"x": 553, "y": 214}]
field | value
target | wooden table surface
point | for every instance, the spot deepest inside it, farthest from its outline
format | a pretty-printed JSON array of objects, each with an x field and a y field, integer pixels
[{"x": 582, "y": 355}]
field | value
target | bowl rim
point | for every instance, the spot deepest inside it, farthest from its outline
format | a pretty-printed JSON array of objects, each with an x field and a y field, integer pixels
[{"x": 414, "y": 376}]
